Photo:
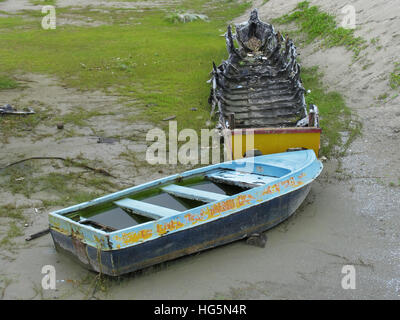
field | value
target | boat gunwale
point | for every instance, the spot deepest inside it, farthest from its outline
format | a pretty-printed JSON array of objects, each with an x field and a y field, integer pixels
[
  {"x": 288, "y": 130},
  {"x": 60, "y": 214}
]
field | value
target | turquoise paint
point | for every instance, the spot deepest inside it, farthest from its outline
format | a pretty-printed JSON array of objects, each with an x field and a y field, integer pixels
[{"x": 292, "y": 170}]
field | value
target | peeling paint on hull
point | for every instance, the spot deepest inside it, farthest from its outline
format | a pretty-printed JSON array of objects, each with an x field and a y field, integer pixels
[{"x": 214, "y": 233}]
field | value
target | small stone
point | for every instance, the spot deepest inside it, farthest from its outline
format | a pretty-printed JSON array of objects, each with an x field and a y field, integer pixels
[
  {"x": 60, "y": 126},
  {"x": 257, "y": 239},
  {"x": 106, "y": 140}
]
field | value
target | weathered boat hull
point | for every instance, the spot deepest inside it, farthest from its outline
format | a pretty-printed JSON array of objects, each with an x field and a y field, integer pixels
[
  {"x": 259, "y": 88},
  {"x": 260, "y": 81},
  {"x": 171, "y": 246},
  {"x": 271, "y": 188}
]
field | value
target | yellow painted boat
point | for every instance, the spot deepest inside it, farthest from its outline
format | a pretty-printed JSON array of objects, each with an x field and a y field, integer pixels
[{"x": 272, "y": 140}]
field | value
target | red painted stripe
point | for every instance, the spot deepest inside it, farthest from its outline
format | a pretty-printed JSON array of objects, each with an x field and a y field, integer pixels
[{"x": 276, "y": 130}]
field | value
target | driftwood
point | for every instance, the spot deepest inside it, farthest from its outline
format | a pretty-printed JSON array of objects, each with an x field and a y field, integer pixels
[
  {"x": 260, "y": 81},
  {"x": 38, "y": 234},
  {"x": 74, "y": 162},
  {"x": 8, "y": 109}
]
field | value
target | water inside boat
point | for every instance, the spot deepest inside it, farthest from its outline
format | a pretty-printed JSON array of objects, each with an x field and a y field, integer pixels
[{"x": 151, "y": 204}]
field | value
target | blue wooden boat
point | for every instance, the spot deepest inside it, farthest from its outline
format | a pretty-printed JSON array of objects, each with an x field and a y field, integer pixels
[{"x": 184, "y": 213}]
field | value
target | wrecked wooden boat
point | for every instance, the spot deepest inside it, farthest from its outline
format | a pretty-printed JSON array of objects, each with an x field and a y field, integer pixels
[
  {"x": 258, "y": 92},
  {"x": 184, "y": 213}
]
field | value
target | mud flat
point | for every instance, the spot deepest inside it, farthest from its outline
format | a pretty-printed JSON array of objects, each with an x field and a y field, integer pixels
[{"x": 351, "y": 216}]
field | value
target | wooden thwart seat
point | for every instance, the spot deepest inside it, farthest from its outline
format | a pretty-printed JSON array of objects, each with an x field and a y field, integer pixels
[
  {"x": 146, "y": 209},
  {"x": 157, "y": 212},
  {"x": 238, "y": 178},
  {"x": 193, "y": 194}
]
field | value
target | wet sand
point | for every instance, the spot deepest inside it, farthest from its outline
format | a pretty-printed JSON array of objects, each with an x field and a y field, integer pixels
[{"x": 349, "y": 218}]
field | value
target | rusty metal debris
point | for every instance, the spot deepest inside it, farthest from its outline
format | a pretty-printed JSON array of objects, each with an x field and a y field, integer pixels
[
  {"x": 259, "y": 85},
  {"x": 9, "y": 109}
]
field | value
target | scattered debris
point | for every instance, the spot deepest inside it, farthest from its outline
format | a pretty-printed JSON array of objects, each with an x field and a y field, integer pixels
[
  {"x": 9, "y": 109},
  {"x": 149, "y": 105},
  {"x": 169, "y": 118},
  {"x": 107, "y": 140},
  {"x": 185, "y": 17},
  {"x": 38, "y": 234},
  {"x": 257, "y": 239},
  {"x": 73, "y": 162}
]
